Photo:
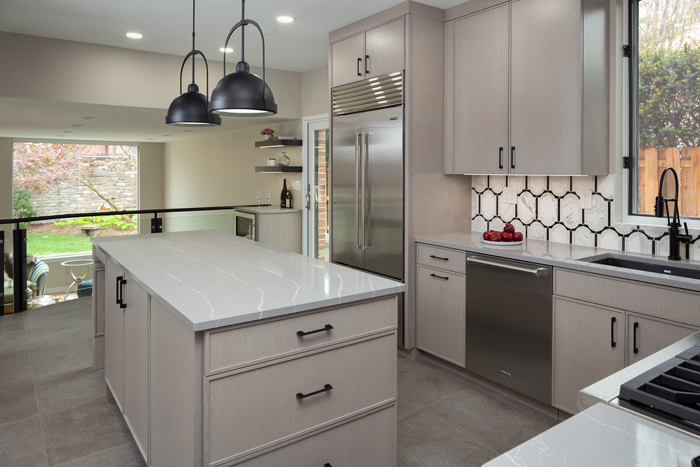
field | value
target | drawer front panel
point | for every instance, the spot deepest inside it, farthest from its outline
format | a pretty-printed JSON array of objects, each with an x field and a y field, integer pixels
[
  {"x": 255, "y": 408},
  {"x": 662, "y": 302},
  {"x": 366, "y": 442},
  {"x": 241, "y": 346},
  {"x": 443, "y": 258}
]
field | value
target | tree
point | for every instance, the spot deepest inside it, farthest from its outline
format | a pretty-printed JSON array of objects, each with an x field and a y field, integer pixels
[
  {"x": 669, "y": 23},
  {"x": 38, "y": 167}
]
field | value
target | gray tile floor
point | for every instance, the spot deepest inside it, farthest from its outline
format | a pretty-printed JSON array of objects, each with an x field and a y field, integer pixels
[{"x": 54, "y": 412}]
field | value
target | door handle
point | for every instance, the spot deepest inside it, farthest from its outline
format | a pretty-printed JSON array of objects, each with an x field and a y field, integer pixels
[
  {"x": 358, "y": 66},
  {"x": 440, "y": 277},
  {"x": 439, "y": 257},
  {"x": 512, "y": 157},
  {"x": 612, "y": 332},
  {"x": 327, "y": 327},
  {"x": 122, "y": 303},
  {"x": 308, "y": 197},
  {"x": 634, "y": 338},
  {"x": 365, "y": 160},
  {"x": 366, "y": 64},
  {"x": 538, "y": 272},
  {"x": 500, "y": 158},
  {"x": 119, "y": 280},
  {"x": 326, "y": 387},
  {"x": 358, "y": 163}
]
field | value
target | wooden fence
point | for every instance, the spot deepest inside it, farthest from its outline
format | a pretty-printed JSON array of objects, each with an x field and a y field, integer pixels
[{"x": 652, "y": 163}]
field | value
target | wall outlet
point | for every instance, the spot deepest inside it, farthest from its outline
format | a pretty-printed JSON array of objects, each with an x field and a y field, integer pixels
[
  {"x": 510, "y": 196},
  {"x": 296, "y": 185},
  {"x": 586, "y": 199}
]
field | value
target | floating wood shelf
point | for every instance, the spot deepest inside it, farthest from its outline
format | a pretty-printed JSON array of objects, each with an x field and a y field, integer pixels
[
  {"x": 277, "y": 169},
  {"x": 277, "y": 143}
]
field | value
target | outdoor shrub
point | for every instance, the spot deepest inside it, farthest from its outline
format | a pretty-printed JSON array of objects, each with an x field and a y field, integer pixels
[
  {"x": 104, "y": 222},
  {"x": 21, "y": 204}
]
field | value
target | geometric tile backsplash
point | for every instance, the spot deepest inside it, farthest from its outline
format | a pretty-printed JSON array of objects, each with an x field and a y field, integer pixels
[{"x": 548, "y": 208}]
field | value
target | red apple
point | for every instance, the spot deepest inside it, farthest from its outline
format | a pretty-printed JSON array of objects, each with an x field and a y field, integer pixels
[
  {"x": 496, "y": 237},
  {"x": 507, "y": 237},
  {"x": 487, "y": 235},
  {"x": 518, "y": 237},
  {"x": 509, "y": 228}
]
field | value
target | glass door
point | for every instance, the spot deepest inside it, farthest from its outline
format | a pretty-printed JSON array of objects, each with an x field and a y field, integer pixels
[{"x": 316, "y": 187}]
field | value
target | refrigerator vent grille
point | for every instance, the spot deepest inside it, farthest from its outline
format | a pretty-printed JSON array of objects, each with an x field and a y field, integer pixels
[{"x": 369, "y": 94}]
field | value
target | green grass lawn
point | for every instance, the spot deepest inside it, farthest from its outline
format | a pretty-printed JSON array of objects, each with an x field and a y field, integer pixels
[{"x": 44, "y": 244}]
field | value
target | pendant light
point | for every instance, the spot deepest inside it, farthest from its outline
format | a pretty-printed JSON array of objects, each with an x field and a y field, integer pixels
[
  {"x": 192, "y": 108},
  {"x": 243, "y": 93}
]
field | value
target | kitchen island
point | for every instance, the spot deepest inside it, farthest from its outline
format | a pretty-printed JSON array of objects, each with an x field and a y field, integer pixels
[{"x": 223, "y": 351}]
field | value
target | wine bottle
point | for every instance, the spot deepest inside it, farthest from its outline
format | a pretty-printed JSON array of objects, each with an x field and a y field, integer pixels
[
  {"x": 283, "y": 197},
  {"x": 289, "y": 201}
]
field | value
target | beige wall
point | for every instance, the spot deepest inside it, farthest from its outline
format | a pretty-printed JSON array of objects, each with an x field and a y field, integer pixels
[
  {"x": 219, "y": 170},
  {"x": 315, "y": 92},
  {"x": 67, "y": 71}
]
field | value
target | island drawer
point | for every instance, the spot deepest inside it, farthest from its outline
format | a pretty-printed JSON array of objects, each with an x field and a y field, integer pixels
[
  {"x": 442, "y": 258},
  {"x": 257, "y": 408},
  {"x": 233, "y": 348},
  {"x": 368, "y": 441}
]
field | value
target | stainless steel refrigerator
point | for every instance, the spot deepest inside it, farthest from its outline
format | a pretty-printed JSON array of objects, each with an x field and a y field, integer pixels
[{"x": 367, "y": 194}]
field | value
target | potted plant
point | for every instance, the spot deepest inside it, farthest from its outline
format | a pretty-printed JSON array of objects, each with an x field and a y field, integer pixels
[{"x": 267, "y": 133}]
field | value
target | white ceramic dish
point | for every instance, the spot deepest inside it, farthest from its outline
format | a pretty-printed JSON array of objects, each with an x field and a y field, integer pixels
[{"x": 502, "y": 244}]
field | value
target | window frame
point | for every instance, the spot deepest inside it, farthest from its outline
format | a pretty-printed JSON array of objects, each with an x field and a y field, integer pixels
[{"x": 630, "y": 91}]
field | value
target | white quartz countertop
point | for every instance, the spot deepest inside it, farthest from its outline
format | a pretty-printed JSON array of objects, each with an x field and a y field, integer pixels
[
  {"x": 565, "y": 256},
  {"x": 267, "y": 210},
  {"x": 603, "y": 436},
  {"x": 211, "y": 279}
]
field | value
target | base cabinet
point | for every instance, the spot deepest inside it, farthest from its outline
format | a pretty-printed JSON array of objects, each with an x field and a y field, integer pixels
[
  {"x": 588, "y": 346},
  {"x": 647, "y": 336},
  {"x": 114, "y": 333}
]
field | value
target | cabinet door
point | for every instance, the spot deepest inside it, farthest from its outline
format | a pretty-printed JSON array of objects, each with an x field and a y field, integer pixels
[
  {"x": 348, "y": 60},
  {"x": 481, "y": 93},
  {"x": 114, "y": 334},
  {"x": 384, "y": 49},
  {"x": 441, "y": 314},
  {"x": 137, "y": 363},
  {"x": 545, "y": 119},
  {"x": 647, "y": 336},
  {"x": 588, "y": 346}
]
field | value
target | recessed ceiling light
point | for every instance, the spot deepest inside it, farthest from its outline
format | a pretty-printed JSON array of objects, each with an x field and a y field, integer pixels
[
  {"x": 285, "y": 19},
  {"x": 228, "y": 50},
  {"x": 88, "y": 118},
  {"x": 76, "y": 126},
  {"x": 134, "y": 35}
]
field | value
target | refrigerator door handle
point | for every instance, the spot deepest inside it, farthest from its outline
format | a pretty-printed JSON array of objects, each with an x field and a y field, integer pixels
[
  {"x": 358, "y": 160},
  {"x": 365, "y": 164}
]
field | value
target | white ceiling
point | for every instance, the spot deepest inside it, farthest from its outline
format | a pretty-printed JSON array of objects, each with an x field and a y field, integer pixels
[{"x": 167, "y": 25}]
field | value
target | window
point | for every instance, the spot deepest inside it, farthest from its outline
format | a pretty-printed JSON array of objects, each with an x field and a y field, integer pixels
[
  {"x": 664, "y": 118},
  {"x": 52, "y": 178}
]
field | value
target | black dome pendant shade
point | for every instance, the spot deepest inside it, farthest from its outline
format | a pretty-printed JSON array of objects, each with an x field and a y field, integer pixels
[
  {"x": 242, "y": 92},
  {"x": 192, "y": 108}
]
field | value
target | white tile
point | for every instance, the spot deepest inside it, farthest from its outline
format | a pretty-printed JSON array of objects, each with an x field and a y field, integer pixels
[
  {"x": 571, "y": 211},
  {"x": 517, "y": 182},
  {"x": 488, "y": 204},
  {"x": 479, "y": 225},
  {"x": 475, "y": 204},
  {"x": 583, "y": 236},
  {"x": 526, "y": 207},
  {"x": 519, "y": 227},
  {"x": 479, "y": 182},
  {"x": 548, "y": 209},
  {"x": 606, "y": 186},
  {"x": 496, "y": 224},
  {"x": 610, "y": 240},
  {"x": 662, "y": 247},
  {"x": 506, "y": 211},
  {"x": 537, "y": 232},
  {"x": 638, "y": 243},
  {"x": 597, "y": 217},
  {"x": 583, "y": 183},
  {"x": 497, "y": 182},
  {"x": 559, "y": 234},
  {"x": 537, "y": 184},
  {"x": 559, "y": 185}
]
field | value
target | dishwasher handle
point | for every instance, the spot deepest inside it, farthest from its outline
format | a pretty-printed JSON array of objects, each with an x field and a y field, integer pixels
[{"x": 535, "y": 271}]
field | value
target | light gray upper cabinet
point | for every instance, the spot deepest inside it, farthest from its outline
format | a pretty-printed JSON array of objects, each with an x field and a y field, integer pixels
[
  {"x": 556, "y": 97},
  {"x": 481, "y": 79},
  {"x": 374, "y": 52}
]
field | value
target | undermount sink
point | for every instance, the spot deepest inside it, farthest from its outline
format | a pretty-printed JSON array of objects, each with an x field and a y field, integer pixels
[{"x": 657, "y": 266}]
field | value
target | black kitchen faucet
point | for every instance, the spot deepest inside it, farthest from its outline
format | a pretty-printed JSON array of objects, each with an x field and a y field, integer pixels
[{"x": 675, "y": 237}]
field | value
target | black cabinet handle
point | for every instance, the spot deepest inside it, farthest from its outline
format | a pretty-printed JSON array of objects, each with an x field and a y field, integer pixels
[
  {"x": 512, "y": 157},
  {"x": 500, "y": 158},
  {"x": 326, "y": 387},
  {"x": 327, "y": 327},
  {"x": 367, "y": 64},
  {"x": 358, "y": 66},
  {"x": 634, "y": 338},
  {"x": 438, "y": 257},
  {"x": 119, "y": 284},
  {"x": 439, "y": 277},
  {"x": 122, "y": 304},
  {"x": 612, "y": 332}
]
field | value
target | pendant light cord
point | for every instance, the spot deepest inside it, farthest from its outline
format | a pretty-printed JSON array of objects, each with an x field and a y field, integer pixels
[
  {"x": 243, "y": 25},
  {"x": 193, "y": 48}
]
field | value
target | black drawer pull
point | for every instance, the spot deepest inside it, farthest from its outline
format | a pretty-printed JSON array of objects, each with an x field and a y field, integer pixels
[
  {"x": 122, "y": 303},
  {"x": 500, "y": 158},
  {"x": 440, "y": 277},
  {"x": 634, "y": 339},
  {"x": 512, "y": 157},
  {"x": 358, "y": 66},
  {"x": 327, "y": 327},
  {"x": 612, "y": 332},
  {"x": 119, "y": 280},
  {"x": 326, "y": 387},
  {"x": 438, "y": 257}
]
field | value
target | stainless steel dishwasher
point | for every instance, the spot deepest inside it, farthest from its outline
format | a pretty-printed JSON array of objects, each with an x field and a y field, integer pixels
[{"x": 509, "y": 324}]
